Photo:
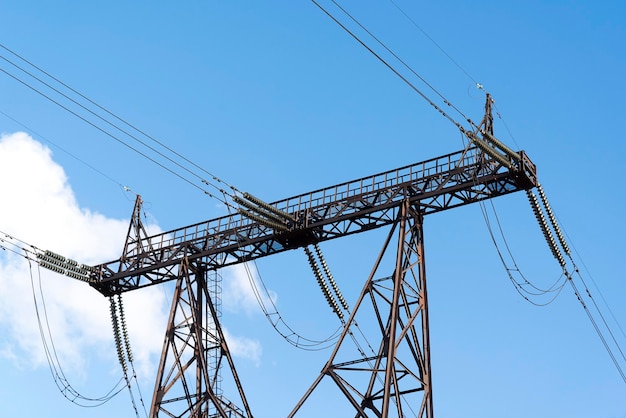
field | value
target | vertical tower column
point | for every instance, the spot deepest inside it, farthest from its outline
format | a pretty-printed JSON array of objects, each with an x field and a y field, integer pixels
[
  {"x": 190, "y": 374},
  {"x": 381, "y": 364}
]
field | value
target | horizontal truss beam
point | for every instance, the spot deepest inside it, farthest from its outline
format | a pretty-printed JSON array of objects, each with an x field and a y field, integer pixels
[{"x": 438, "y": 184}]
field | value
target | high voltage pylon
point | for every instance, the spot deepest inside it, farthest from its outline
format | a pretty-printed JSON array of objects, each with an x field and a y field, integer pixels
[{"x": 397, "y": 376}]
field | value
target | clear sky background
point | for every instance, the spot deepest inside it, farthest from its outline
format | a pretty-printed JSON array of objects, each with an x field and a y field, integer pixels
[{"x": 278, "y": 100}]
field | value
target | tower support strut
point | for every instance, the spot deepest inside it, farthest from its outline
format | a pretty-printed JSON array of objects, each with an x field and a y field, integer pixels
[
  {"x": 395, "y": 380},
  {"x": 189, "y": 378}
]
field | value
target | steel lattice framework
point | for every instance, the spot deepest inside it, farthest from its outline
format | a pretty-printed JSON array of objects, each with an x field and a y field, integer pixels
[
  {"x": 360, "y": 205},
  {"x": 399, "y": 373}
]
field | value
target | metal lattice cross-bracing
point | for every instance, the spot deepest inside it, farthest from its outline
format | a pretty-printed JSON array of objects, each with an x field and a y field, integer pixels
[
  {"x": 189, "y": 378},
  {"x": 360, "y": 205},
  {"x": 394, "y": 380},
  {"x": 380, "y": 367}
]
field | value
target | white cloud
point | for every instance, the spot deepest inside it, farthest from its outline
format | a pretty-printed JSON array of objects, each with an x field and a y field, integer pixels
[
  {"x": 40, "y": 208},
  {"x": 242, "y": 290},
  {"x": 243, "y": 347}
]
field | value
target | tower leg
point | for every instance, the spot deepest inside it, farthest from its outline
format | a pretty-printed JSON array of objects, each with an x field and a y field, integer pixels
[
  {"x": 189, "y": 377},
  {"x": 393, "y": 379}
]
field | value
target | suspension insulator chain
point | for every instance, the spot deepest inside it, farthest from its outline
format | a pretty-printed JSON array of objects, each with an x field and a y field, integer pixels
[
  {"x": 268, "y": 207},
  {"x": 553, "y": 221},
  {"x": 322, "y": 284},
  {"x": 122, "y": 321},
  {"x": 265, "y": 222},
  {"x": 508, "y": 151},
  {"x": 490, "y": 151},
  {"x": 259, "y": 211},
  {"x": 331, "y": 279},
  {"x": 116, "y": 335},
  {"x": 545, "y": 228}
]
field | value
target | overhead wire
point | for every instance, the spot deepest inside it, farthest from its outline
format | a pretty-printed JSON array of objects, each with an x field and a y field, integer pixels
[
  {"x": 107, "y": 133},
  {"x": 124, "y": 352},
  {"x": 521, "y": 287},
  {"x": 552, "y": 228},
  {"x": 160, "y": 143},
  {"x": 210, "y": 183},
  {"x": 274, "y": 317},
  {"x": 414, "y": 23},
  {"x": 582, "y": 262},
  {"x": 58, "y": 374},
  {"x": 64, "y": 150},
  {"x": 31, "y": 254},
  {"x": 390, "y": 67},
  {"x": 566, "y": 249},
  {"x": 478, "y": 85},
  {"x": 557, "y": 286},
  {"x": 408, "y": 67},
  {"x": 597, "y": 308},
  {"x": 599, "y": 332}
]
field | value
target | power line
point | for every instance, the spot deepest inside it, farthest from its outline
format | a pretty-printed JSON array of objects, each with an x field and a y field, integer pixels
[
  {"x": 401, "y": 61},
  {"x": 214, "y": 177},
  {"x": 594, "y": 283},
  {"x": 58, "y": 374},
  {"x": 394, "y": 70},
  {"x": 521, "y": 287},
  {"x": 550, "y": 229},
  {"x": 459, "y": 66},
  {"x": 599, "y": 331},
  {"x": 74, "y": 156},
  {"x": 211, "y": 183},
  {"x": 32, "y": 254}
]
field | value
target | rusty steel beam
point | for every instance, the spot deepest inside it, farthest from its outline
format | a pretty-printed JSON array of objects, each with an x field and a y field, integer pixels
[{"x": 438, "y": 184}]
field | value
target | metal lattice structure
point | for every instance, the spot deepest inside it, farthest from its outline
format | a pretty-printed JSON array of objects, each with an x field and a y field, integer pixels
[
  {"x": 380, "y": 385},
  {"x": 442, "y": 183},
  {"x": 399, "y": 371}
]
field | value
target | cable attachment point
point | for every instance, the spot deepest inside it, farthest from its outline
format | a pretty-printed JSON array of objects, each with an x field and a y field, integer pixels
[{"x": 264, "y": 213}]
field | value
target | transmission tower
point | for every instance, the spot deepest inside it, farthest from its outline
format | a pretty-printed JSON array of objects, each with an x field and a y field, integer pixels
[{"x": 397, "y": 376}]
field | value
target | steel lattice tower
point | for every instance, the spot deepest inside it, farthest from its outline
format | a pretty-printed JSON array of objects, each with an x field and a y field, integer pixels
[{"x": 398, "y": 376}]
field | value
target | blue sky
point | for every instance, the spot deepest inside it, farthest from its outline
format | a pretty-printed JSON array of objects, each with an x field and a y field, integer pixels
[{"x": 276, "y": 99}]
